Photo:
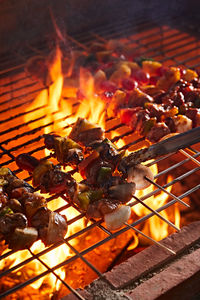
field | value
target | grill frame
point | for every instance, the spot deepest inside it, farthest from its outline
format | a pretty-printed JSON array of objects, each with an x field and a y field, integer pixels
[{"x": 81, "y": 42}]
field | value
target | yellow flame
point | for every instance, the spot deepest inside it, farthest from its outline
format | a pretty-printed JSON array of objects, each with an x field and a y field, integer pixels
[{"x": 56, "y": 108}]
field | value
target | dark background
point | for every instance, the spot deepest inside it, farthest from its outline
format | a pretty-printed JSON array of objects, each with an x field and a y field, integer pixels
[{"x": 24, "y": 21}]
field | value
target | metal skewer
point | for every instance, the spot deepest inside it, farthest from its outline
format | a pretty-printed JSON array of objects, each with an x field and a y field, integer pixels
[
  {"x": 151, "y": 239},
  {"x": 168, "y": 193},
  {"x": 190, "y": 156},
  {"x": 156, "y": 213}
]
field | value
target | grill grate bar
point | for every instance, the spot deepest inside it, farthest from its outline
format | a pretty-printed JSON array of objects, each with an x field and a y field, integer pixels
[
  {"x": 20, "y": 97},
  {"x": 176, "y": 165},
  {"x": 179, "y": 178},
  {"x": 18, "y": 89},
  {"x": 151, "y": 239},
  {"x": 23, "y": 124},
  {"x": 178, "y": 39},
  {"x": 163, "y": 35},
  {"x": 94, "y": 246},
  {"x": 165, "y": 191},
  {"x": 156, "y": 213},
  {"x": 57, "y": 276},
  {"x": 83, "y": 258}
]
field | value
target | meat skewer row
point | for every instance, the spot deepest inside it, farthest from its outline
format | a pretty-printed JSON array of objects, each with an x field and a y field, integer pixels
[
  {"x": 45, "y": 175},
  {"x": 152, "y": 99},
  {"x": 102, "y": 191},
  {"x": 103, "y": 188},
  {"x": 24, "y": 216},
  {"x": 102, "y": 151}
]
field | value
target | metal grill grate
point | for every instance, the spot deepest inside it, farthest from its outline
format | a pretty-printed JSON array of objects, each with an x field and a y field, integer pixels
[{"x": 165, "y": 43}]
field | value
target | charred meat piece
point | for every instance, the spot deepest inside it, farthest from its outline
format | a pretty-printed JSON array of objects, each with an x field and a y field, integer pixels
[
  {"x": 51, "y": 226},
  {"x": 138, "y": 98},
  {"x": 100, "y": 208},
  {"x": 85, "y": 132},
  {"x": 157, "y": 132},
  {"x": 18, "y": 215},
  {"x": 9, "y": 221},
  {"x": 65, "y": 149},
  {"x": 122, "y": 192},
  {"x": 48, "y": 177},
  {"x": 22, "y": 238},
  {"x": 108, "y": 152},
  {"x": 9, "y": 182}
]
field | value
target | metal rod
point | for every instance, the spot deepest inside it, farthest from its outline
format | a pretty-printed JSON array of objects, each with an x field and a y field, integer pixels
[
  {"x": 156, "y": 213},
  {"x": 82, "y": 258},
  {"x": 151, "y": 239},
  {"x": 58, "y": 277},
  {"x": 168, "y": 193},
  {"x": 189, "y": 156}
]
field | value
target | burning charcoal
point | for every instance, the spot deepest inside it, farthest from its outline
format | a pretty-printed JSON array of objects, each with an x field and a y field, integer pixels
[
  {"x": 65, "y": 150},
  {"x": 137, "y": 175},
  {"x": 117, "y": 218},
  {"x": 22, "y": 238},
  {"x": 51, "y": 226}
]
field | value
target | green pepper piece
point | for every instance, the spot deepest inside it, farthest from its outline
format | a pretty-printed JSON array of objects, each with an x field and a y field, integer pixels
[
  {"x": 104, "y": 174},
  {"x": 95, "y": 195},
  {"x": 84, "y": 199},
  {"x": 6, "y": 211}
]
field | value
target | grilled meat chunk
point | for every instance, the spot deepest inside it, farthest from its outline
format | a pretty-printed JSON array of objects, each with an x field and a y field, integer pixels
[
  {"x": 51, "y": 226},
  {"x": 19, "y": 211},
  {"x": 85, "y": 132},
  {"x": 48, "y": 177},
  {"x": 65, "y": 149}
]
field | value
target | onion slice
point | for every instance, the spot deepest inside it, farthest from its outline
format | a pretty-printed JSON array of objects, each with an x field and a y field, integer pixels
[
  {"x": 116, "y": 219},
  {"x": 137, "y": 175}
]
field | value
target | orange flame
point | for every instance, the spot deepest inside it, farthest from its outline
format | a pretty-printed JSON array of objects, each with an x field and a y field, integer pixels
[{"x": 59, "y": 110}]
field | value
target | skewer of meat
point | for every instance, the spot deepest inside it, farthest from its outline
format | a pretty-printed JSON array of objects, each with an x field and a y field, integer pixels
[
  {"x": 24, "y": 216},
  {"x": 46, "y": 176},
  {"x": 104, "y": 190},
  {"x": 96, "y": 198}
]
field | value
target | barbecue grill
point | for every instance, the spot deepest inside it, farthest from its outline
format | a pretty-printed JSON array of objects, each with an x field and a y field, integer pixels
[{"x": 173, "y": 40}]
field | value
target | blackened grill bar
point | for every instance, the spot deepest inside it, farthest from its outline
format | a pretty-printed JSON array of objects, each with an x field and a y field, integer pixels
[{"x": 142, "y": 27}]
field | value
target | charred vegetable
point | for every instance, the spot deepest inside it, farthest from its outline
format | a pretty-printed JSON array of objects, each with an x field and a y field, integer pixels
[{"x": 67, "y": 151}]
